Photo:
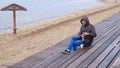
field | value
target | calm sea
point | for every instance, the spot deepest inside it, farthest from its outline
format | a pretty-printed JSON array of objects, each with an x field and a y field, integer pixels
[{"x": 39, "y": 10}]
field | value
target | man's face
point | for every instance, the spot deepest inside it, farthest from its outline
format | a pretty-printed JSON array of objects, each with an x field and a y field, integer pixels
[{"x": 83, "y": 22}]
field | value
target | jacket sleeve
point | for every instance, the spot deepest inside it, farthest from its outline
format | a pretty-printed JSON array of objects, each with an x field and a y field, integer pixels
[
  {"x": 80, "y": 32},
  {"x": 93, "y": 32}
]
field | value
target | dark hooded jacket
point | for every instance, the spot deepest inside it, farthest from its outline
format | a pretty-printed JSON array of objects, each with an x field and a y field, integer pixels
[{"x": 87, "y": 28}]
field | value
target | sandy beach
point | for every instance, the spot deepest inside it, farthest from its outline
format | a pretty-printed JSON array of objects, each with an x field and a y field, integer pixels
[{"x": 34, "y": 38}]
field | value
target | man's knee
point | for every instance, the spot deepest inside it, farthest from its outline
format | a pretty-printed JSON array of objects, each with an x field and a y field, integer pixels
[
  {"x": 78, "y": 42},
  {"x": 74, "y": 37}
]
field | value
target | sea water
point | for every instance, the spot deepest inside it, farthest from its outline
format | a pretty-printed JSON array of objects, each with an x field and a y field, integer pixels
[{"x": 39, "y": 10}]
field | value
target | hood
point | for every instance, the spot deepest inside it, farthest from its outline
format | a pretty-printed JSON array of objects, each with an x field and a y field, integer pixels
[{"x": 86, "y": 19}]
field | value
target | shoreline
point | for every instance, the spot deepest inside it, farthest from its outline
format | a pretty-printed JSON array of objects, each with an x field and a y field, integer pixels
[
  {"x": 31, "y": 38},
  {"x": 45, "y": 25}
]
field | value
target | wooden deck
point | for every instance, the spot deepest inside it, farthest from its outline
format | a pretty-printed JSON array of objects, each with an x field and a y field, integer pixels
[{"x": 105, "y": 50}]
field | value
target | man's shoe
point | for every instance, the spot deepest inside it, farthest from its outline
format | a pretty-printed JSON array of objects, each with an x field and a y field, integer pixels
[{"x": 66, "y": 52}]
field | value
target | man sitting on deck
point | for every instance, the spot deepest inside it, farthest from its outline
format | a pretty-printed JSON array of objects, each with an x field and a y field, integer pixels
[{"x": 85, "y": 36}]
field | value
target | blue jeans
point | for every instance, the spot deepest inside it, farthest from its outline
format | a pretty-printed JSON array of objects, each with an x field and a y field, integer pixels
[{"x": 74, "y": 43}]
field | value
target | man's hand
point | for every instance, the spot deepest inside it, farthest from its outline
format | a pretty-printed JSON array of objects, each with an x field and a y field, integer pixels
[
  {"x": 82, "y": 35},
  {"x": 86, "y": 33}
]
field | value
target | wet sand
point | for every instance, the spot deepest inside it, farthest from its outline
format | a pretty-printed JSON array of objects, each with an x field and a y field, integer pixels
[{"x": 34, "y": 38}]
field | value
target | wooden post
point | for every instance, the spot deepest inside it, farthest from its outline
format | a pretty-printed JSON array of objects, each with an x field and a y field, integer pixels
[
  {"x": 14, "y": 7},
  {"x": 14, "y": 22}
]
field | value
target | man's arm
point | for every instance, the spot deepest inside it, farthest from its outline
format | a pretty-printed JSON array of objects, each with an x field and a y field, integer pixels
[
  {"x": 80, "y": 32},
  {"x": 93, "y": 32}
]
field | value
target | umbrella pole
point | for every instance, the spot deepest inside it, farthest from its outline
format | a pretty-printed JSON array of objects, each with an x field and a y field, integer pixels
[{"x": 14, "y": 22}]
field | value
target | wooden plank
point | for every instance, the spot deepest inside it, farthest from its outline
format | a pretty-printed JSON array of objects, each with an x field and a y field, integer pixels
[
  {"x": 67, "y": 57},
  {"x": 108, "y": 28},
  {"x": 107, "y": 25},
  {"x": 107, "y": 22},
  {"x": 57, "y": 62},
  {"x": 55, "y": 57},
  {"x": 63, "y": 58},
  {"x": 101, "y": 57},
  {"x": 109, "y": 58},
  {"x": 48, "y": 61},
  {"x": 89, "y": 52},
  {"x": 114, "y": 23},
  {"x": 118, "y": 42},
  {"x": 104, "y": 24},
  {"x": 114, "y": 61},
  {"x": 70, "y": 61},
  {"x": 92, "y": 57}
]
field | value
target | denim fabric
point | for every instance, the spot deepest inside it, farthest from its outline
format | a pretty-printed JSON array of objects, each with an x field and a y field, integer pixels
[{"x": 74, "y": 43}]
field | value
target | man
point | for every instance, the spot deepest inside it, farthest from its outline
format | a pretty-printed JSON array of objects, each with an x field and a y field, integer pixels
[{"x": 85, "y": 36}]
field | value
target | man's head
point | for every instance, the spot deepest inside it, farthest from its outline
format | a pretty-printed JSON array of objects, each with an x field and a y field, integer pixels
[{"x": 84, "y": 21}]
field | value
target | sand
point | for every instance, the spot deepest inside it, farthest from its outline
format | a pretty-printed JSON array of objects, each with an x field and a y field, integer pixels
[
  {"x": 34, "y": 38},
  {"x": 110, "y": 1}
]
